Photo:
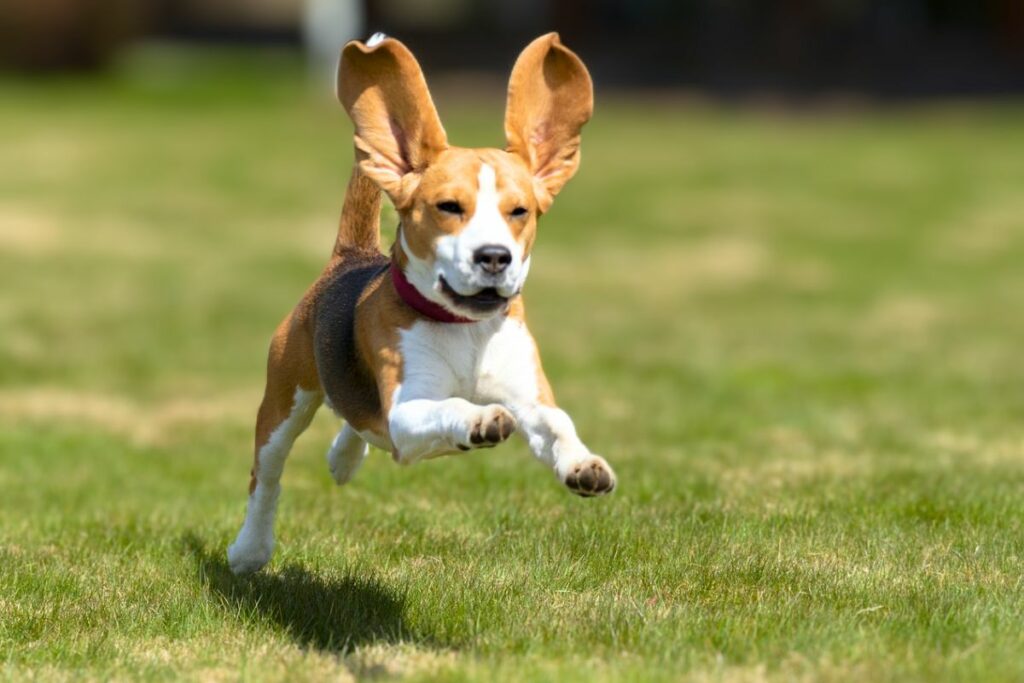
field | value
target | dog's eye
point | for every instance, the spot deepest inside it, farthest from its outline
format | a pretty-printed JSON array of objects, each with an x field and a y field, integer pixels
[
  {"x": 450, "y": 207},
  {"x": 519, "y": 211}
]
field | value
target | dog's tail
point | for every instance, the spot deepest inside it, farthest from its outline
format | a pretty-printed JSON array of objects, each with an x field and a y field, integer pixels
[{"x": 359, "y": 227}]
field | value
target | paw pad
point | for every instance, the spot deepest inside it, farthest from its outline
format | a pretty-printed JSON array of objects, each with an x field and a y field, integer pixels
[
  {"x": 491, "y": 428},
  {"x": 591, "y": 478}
]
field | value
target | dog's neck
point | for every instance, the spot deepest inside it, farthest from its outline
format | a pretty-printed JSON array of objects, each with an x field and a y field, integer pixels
[{"x": 419, "y": 303}]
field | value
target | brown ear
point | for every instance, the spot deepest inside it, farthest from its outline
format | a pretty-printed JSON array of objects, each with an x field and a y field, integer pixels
[
  {"x": 398, "y": 132},
  {"x": 550, "y": 97}
]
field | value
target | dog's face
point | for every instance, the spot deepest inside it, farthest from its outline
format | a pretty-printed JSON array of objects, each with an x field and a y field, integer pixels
[
  {"x": 468, "y": 216},
  {"x": 467, "y": 232}
]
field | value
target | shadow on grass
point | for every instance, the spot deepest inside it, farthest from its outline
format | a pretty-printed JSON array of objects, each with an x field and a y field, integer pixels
[{"x": 332, "y": 615}]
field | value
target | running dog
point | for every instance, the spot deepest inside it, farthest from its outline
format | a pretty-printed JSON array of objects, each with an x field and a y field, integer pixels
[{"x": 426, "y": 352}]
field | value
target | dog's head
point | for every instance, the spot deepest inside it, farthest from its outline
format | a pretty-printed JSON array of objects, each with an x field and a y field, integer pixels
[{"x": 468, "y": 216}]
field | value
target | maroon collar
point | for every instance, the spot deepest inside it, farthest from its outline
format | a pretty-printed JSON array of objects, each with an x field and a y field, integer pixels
[{"x": 420, "y": 303}]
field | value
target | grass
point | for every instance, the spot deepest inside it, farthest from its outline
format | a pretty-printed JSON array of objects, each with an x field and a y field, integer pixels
[{"x": 797, "y": 338}]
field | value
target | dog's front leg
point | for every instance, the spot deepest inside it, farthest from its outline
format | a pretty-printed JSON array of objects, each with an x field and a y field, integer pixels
[
  {"x": 512, "y": 375},
  {"x": 552, "y": 437},
  {"x": 425, "y": 428}
]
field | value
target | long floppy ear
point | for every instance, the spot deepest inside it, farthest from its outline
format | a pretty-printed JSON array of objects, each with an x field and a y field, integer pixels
[
  {"x": 397, "y": 130},
  {"x": 550, "y": 97}
]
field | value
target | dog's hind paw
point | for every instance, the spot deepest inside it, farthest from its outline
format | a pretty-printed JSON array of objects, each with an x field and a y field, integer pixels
[
  {"x": 247, "y": 555},
  {"x": 345, "y": 455}
]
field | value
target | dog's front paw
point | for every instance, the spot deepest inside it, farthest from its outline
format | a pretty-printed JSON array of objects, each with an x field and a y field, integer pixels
[
  {"x": 490, "y": 427},
  {"x": 591, "y": 477}
]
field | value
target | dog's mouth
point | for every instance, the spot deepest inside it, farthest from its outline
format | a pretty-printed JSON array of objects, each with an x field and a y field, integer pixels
[{"x": 487, "y": 300}]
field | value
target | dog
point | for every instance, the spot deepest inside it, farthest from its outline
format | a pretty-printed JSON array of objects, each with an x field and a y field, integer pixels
[{"x": 426, "y": 352}]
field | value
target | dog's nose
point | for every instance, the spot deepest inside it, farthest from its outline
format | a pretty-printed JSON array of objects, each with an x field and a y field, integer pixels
[{"x": 493, "y": 258}]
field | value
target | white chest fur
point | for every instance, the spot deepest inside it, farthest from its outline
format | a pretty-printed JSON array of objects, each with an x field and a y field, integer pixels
[{"x": 489, "y": 361}]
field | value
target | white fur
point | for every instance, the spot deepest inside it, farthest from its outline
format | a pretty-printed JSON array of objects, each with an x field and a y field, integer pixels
[
  {"x": 376, "y": 39},
  {"x": 430, "y": 412},
  {"x": 454, "y": 375},
  {"x": 374, "y": 439},
  {"x": 453, "y": 254},
  {"x": 422, "y": 274},
  {"x": 509, "y": 375},
  {"x": 255, "y": 542},
  {"x": 346, "y": 454},
  {"x": 487, "y": 226}
]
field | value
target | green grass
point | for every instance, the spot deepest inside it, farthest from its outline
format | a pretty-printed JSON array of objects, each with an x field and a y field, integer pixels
[{"x": 797, "y": 338}]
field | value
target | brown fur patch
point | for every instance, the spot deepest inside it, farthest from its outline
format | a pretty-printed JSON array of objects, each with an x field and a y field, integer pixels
[
  {"x": 360, "y": 216},
  {"x": 398, "y": 132},
  {"x": 290, "y": 366},
  {"x": 550, "y": 99}
]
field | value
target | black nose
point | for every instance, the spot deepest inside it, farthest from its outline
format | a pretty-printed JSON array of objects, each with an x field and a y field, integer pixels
[{"x": 493, "y": 258}]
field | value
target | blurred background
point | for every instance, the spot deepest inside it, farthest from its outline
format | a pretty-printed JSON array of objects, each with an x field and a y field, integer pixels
[{"x": 730, "y": 47}]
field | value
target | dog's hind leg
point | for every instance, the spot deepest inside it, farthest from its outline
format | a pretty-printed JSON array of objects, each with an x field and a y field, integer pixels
[
  {"x": 346, "y": 454},
  {"x": 291, "y": 398}
]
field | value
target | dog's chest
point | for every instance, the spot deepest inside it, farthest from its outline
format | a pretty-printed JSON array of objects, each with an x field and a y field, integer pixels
[{"x": 486, "y": 361}]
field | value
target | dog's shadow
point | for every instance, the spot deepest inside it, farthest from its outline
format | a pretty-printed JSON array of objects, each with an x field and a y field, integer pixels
[{"x": 331, "y": 615}]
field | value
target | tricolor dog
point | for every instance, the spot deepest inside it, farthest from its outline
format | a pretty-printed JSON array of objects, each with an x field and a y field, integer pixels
[{"x": 427, "y": 352}]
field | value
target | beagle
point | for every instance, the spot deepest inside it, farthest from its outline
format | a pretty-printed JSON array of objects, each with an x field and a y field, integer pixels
[{"x": 427, "y": 352}]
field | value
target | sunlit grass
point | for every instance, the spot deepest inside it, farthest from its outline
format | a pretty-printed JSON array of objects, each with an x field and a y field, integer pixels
[{"x": 796, "y": 337}]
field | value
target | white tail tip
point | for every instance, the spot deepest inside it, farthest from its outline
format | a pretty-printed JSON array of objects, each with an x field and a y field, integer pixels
[{"x": 376, "y": 39}]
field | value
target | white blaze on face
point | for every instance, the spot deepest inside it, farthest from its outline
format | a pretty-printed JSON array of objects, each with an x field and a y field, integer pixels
[
  {"x": 453, "y": 254},
  {"x": 487, "y": 226}
]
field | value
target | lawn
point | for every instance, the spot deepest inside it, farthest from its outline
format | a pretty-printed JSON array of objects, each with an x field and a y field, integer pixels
[{"x": 797, "y": 337}]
